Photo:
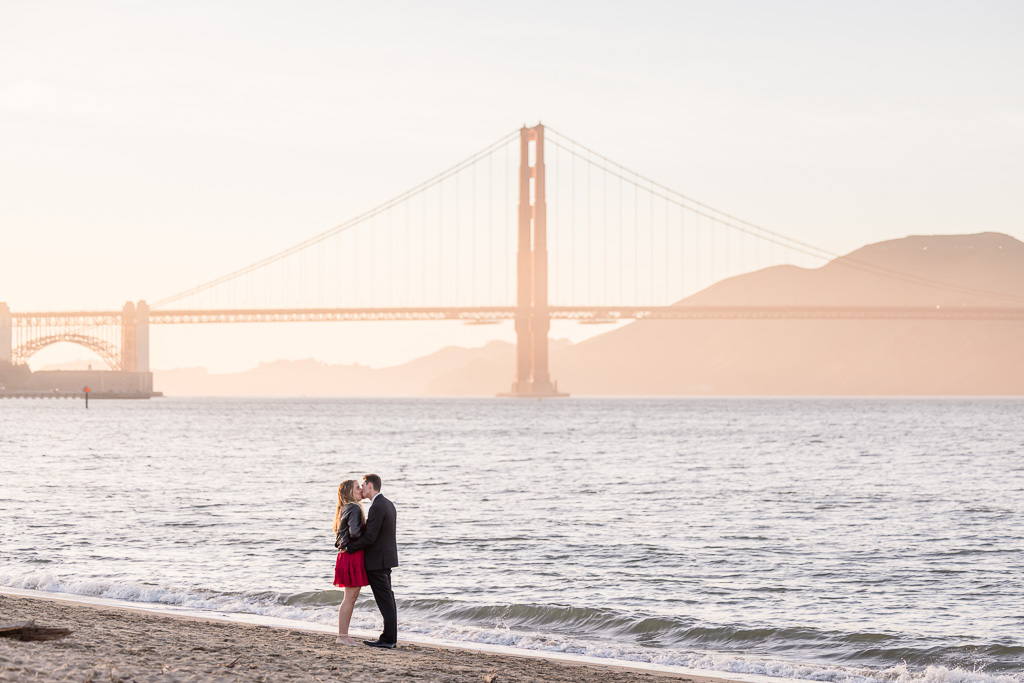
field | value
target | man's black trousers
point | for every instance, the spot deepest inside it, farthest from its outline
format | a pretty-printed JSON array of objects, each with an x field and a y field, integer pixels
[{"x": 380, "y": 584}]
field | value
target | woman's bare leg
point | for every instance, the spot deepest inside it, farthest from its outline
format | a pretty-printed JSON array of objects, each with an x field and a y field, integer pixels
[{"x": 345, "y": 615}]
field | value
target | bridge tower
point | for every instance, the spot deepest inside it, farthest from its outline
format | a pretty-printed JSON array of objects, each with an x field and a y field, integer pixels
[
  {"x": 135, "y": 337},
  {"x": 532, "y": 379}
]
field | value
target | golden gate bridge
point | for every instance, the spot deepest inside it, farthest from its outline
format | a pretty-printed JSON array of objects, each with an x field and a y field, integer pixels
[{"x": 534, "y": 227}]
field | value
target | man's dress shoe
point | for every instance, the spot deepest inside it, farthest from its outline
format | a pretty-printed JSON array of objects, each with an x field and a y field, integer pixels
[{"x": 378, "y": 643}]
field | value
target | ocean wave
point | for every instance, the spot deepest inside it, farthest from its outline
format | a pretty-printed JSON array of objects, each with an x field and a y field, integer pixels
[
  {"x": 854, "y": 648},
  {"x": 535, "y": 628},
  {"x": 262, "y": 603},
  {"x": 720, "y": 663}
]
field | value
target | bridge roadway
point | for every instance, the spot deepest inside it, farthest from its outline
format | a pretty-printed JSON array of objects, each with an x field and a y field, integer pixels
[{"x": 494, "y": 314}]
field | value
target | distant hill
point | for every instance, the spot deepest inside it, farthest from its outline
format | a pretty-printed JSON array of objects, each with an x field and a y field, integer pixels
[
  {"x": 904, "y": 272},
  {"x": 447, "y": 367},
  {"x": 741, "y": 357},
  {"x": 830, "y": 357}
]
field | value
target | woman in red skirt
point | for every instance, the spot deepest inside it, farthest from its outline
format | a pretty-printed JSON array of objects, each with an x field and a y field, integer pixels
[{"x": 349, "y": 570}]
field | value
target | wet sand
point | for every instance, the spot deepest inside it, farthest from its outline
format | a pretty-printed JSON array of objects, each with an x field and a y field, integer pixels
[{"x": 115, "y": 644}]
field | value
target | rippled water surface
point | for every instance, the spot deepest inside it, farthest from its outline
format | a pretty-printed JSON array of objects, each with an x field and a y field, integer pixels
[{"x": 820, "y": 538}]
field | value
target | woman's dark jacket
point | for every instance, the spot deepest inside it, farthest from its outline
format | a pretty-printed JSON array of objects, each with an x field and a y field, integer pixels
[{"x": 351, "y": 525}]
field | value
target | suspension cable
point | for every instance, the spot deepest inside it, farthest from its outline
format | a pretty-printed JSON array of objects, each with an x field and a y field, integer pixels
[
  {"x": 794, "y": 245},
  {"x": 352, "y": 222}
]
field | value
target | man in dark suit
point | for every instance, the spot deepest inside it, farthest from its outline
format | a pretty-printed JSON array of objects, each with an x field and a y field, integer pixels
[{"x": 381, "y": 545}]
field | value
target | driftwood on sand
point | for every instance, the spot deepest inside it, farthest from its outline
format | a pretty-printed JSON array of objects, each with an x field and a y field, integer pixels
[{"x": 27, "y": 630}]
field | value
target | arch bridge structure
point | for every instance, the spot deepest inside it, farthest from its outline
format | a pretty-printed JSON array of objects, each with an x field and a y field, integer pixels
[{"x": 119, "y": 338}]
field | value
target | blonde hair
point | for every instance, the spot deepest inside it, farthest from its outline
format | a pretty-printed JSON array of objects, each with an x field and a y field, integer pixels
[{"x": 346, "y": 495}]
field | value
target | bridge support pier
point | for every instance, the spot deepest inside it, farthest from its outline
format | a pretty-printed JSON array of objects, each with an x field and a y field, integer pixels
[
  {"x": 6, "y": 329},
  {"x": 135, "y": 337},
  {"x": 135, "y": 343},
  {"x": 128, "y": 338},
  {"x": 142, "y": 337},
  {"x": 532, "y": 379}
]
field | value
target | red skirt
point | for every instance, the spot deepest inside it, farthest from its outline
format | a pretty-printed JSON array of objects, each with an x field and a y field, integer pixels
[{"x": 350, "y": 570}]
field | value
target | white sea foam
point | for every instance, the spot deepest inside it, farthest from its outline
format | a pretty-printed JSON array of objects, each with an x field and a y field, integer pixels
[
  {"x": 242, "y": 603},
  {"x": 267, "y": 606}
]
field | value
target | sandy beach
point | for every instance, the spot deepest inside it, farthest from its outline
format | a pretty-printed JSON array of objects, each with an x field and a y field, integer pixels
[{"x": 112, "y": 644}]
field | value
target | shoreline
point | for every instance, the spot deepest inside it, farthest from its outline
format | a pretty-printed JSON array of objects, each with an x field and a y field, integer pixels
[{"x": 311, "y": 651}]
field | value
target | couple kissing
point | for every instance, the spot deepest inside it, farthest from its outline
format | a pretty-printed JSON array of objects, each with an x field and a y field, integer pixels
[{"x": 367, "y": 551}]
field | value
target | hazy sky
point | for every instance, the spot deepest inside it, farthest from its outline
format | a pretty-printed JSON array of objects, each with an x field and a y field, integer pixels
[{"x": 146, "y": 147}]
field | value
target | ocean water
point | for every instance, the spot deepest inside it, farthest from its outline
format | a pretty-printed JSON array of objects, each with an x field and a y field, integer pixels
[{"x": 843, "y": 540}]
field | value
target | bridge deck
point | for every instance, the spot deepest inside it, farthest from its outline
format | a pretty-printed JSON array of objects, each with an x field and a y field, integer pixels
[{"x": 584, "y": 314}]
